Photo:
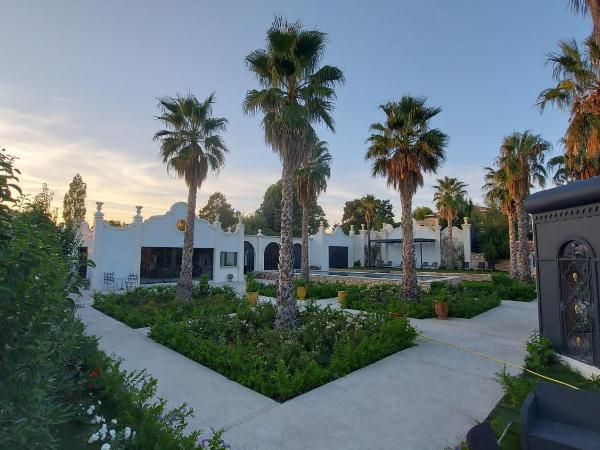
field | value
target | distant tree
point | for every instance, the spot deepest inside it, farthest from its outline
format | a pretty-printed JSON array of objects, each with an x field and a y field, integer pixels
[
  {"x": 489, "y": 233},
  {"x": 448, "y": 196},
  {"x": 420, "y": 212},
  {"x": 268, "y": 215},
  {"x": 190, "y": 145},
  {"x": 74, "y": 201},
  {"x": 354, "y": 214},
  {"x": 42, "y": 204},
  {"x": 117, "y": 223},
  {"x": 218, "y": 204}
]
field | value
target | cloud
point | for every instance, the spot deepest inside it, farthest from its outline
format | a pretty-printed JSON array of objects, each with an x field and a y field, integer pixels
[{"x": 65, "y": 100}]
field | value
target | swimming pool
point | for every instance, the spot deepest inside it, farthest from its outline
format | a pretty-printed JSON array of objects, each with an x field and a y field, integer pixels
[{"x": 378, "y": 275}]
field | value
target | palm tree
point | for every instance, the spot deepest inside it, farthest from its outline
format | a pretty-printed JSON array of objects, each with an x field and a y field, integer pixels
[
  {"x": 190, "y": 145},
  {"x": 593, "y": 7},
  {"x": 402, "y": 149},
  {"x": 368, "y": 207},
  {"x": 570, "y": 167},
  {"x": 578, "y": 91},
  {"x": 294, "y": 94},
  {"x": 496, "y": 192},
  {"x": 448, "y": 197},
  {"x": 521, "y": 159},
  {"x": 311, "y": 180}
]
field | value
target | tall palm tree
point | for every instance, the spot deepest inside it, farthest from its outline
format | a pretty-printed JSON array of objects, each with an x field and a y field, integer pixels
[
  {"x": 368, "y": 207},
  {"x": 190, "y": 145},
  {"x": 521, "y": 158},
  {"x": 311, "y": 180},
  {"x": 496, "y": 193},
  {"x": 448, "y": 197},
  {"x": 578, "y": 91},
  {"x": 294, "y": 94},
  {"x": 402, "y": 149},
  {"x": 592, "y": 7},
  {"x": 570, "y": 167}
]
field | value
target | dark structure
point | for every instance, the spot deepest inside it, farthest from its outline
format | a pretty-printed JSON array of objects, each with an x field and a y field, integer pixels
[
  {"x": 566, "y": 229},
  {"x": 557, "y": 417}
]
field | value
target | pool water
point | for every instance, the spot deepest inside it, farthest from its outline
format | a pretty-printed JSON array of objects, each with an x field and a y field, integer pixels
[{"x": 381, "y": 275}]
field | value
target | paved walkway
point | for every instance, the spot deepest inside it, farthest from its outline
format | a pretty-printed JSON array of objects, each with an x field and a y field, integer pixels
[{"x": 425, "y": 397}]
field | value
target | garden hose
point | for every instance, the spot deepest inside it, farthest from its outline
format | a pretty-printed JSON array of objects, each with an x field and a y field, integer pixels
[{"x": 484, "y": 356}]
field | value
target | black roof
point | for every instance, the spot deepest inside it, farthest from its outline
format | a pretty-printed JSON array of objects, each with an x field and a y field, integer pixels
[{"x": 570, "y": 195}]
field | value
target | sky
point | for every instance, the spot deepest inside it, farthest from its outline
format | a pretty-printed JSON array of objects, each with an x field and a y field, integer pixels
[{"x": 79, "y": 83}]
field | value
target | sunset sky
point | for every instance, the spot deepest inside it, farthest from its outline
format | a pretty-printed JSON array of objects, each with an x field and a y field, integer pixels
[{"x": 79, "y": 83}]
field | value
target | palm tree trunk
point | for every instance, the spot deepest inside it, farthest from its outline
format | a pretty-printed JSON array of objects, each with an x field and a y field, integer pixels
[
  {"x": 512, "y": 246},
  {"x": 594, "y": 8},
  {"x": 305, "y": 267},
  {"x": 409, "y": 270},
  {"x": 450, "y": 243},
  {"x": 286, "y": 306},
  {"x": 523, "y": 250},
  {"x": 184, "y": 285},
  {"x": 369, "y": 263}
]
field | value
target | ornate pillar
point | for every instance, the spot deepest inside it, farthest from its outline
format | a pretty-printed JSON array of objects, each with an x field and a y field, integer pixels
[
  {"x": 466, "y": 228},
  {"x": 136, "y": 247},
  {"x": 98, "y": 271}
]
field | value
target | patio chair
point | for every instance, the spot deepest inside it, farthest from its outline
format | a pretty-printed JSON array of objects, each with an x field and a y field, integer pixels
[
  {"x": 109, "y": 281},
  {"x": 558, "y": 417},
  {"x": 482, "y": 437},
  {"x": 434, "y": 265},
  {"x": 425, "y": 265},
  {"x": 131, "y": 281}
]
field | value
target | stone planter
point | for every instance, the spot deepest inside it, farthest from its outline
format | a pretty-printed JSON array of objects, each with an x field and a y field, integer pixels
[
  {"x": 441, "y": 310},
  {"x": 252, "y": 298},
  {"x": 301, "y": 292},
  {"x": 342, "y": 295}
]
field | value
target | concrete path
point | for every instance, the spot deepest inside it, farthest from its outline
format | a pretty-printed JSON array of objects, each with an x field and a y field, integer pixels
[{"x": 422, "y": 398}]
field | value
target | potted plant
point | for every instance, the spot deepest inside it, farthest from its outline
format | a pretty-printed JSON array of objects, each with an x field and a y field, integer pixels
[
  {"x": 342, "y": 295},
  {"x": 401, "y": 313},
  {"x": 301, "y": 289},
  {"x": 441, "y": 305},
  {"x": 252, "y": 288}
]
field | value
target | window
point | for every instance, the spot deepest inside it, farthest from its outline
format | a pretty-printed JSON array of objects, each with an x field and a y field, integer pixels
[{"x": 228, "y": 259}]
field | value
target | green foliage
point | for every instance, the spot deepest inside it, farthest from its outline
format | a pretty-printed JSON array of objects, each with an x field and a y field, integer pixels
[
  {"x": 515, "y": 387},
  {"x": 217, "y": 204},
  {"x": 420, "y": 212},
  {"x": 315, "y": 290},
  {"x": 284, "y": 363},
  {"x": 144, "y": 306},
  {"x": 74, "y": 201},
  {"x": 509, "y": 289},
  {"x": 540, "y": 353},
  {"x": 489, "y": 230},
  {"x": 268, "y": 216},
  {"x": 354, "y": 213}
]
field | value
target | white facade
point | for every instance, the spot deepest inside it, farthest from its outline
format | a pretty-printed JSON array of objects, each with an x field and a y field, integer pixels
[{"x": 149, "y": 250}]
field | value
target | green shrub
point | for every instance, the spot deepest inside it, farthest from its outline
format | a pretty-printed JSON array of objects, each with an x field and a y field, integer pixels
[
  {"x": 540, "y": 353},
  {"x": 509, "y": 289},
  {"x": 284, "y": 363},
  {"x": 516, "y": 387}
]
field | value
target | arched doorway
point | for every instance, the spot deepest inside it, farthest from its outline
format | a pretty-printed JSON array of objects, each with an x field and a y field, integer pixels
[
  {"x": 576, "y": 273},
  {"x": 271, "y": 256},
  {"x": 297, "y": 256},
  {"x": 248, "y": 257}
]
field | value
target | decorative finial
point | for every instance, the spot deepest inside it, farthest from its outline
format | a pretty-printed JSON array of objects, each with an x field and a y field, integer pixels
[
  {"x": 99, "y": 206},
  {"x": 259, "y": 231},
  {"x": 465, "y": 221},
  {"x": 217, "y": 217},
  {"x": 138, "y": 210},
  {"x": 362, "y": 226},
  {"x": 229, "y": 229}
]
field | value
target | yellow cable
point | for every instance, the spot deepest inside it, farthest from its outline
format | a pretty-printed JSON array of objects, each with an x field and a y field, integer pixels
[{"x": 483, "y": 355}]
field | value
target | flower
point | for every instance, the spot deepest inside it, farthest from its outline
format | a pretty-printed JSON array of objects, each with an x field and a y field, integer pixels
[
  {"x": 93, "y": 438},
  {"x": 114, "y": 421},
  {"x": 99, "y": 402},
  {"x": 90, "y": 410},
  {"x": 105, "y": 446},
  {"x": 127, "y": 432},
  {"x": 112, "y": 434}
]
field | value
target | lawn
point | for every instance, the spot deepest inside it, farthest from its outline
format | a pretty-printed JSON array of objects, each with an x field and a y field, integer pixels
[
  {"x": 144, "y": 306},
  {"x": 282, "y": 364}
]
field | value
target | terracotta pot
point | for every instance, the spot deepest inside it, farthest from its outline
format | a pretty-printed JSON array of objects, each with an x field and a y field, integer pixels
[
  {"x": 252, "y": 298},
  {"x": 441, "y": 310},
  {"x": 398, "y": 315},
  {"x": 301, "y": 292},
  {"x": 342, "y": 298}
]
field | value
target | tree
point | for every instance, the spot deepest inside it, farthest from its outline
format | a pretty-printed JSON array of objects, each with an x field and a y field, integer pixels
[
  {"x": 268, "y": 216},
  {"x": 420, "y": 212},
  {"x": 74, "y": 202},
  {"x": 368, "y": 206},
  {"x": 190, "y": 145},
  {"x": 521, "y": 159},
  {"x": 41, "y": 205},
  {"x": 311, "y": 181},
  {"x": 402, "y": 149},
  {"x": 354, "y": 214},
  {"x": 449, "y": 194},
  {"x": 497, "y": 195},
  {"x": 294, "y": 94},
  {"x": 578, "y": 91},
  {"x": 592, "y": 7},
  {"x": 217, "y": 205},
  {"x": 489, "y": 229}
]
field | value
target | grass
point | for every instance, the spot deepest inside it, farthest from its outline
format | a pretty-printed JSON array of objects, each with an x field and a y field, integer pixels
[{"x": 505, "y": 413}]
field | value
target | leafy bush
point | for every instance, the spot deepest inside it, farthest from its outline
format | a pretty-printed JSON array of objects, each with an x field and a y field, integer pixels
[
  {"x": 284, "y": 363},
  {"x": 509, "y": 289},
  {"x": 516, "y": 387},
  {"x": 144, "y": 306},
  {"x": 540, "y": 354},
  {"x": 316, "y": 290}
]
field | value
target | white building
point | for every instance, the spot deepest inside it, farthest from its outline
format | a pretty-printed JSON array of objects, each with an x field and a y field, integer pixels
[{"x": 150, "y": 250}]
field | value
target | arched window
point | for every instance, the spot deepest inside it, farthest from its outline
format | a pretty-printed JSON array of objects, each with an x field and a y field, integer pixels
[
  {"x": 248, "y": 257},
  {"x": 271, "y": 256},
  {"x": 575, "y": 270},
  {"x": 297, "y": 256}
]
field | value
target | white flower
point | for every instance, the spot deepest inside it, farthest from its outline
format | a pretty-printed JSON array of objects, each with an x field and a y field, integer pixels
[
  {"x": 105, "y": 446},
  {"x": 114, "y": 421},
  {"x": 90, "y": 410},
  {"x": 99, "y": 402},
  {"x": 127, "y": 432},
  {"x": 103, "y": 428},
  {"x": 93, "y": 438},
  {"x": 113, "y": 434}
]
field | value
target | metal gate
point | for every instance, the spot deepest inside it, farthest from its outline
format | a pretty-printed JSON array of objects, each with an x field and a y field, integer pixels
[{"x": 338, "y": 257}]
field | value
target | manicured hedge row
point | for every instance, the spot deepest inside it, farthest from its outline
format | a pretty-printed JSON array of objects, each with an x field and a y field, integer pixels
[
  {"x": 146, "y": 305},
  {"x": 282, "y": 364}
]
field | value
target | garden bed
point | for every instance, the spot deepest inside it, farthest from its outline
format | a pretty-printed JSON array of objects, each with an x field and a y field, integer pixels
[
  {"x": 145, "y": 306},
  {"x": 281, "y": 364}
]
